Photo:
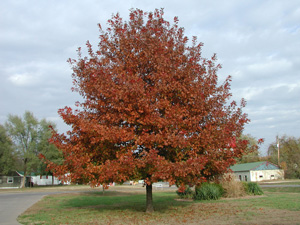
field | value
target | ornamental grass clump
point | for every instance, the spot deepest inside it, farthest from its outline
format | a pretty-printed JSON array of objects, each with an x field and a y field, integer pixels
[
  {"x": 253, "y": 188},
  {"x": 208, "y": 191},
  {"x": 232, "y": 188}
]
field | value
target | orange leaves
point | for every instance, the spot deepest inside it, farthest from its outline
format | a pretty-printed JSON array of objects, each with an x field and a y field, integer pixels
[
  {"x": 260, "y": 141},
  {"x": 152, "y": 108},
  {"x": 182, "y": 188}
]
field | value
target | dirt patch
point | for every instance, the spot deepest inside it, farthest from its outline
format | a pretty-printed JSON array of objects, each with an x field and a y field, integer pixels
[
  {"x": 245, "y": 197},
  {"x": 232, "y": 213},
  {"x": 184, "y": 200}
]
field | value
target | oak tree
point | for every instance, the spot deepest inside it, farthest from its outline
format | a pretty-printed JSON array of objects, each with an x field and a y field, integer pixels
[{"x": 152, "y": 109}]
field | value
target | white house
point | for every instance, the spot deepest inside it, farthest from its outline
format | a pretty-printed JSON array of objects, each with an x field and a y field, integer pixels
[
  {"x": 14, "y": 179},
  {"x": 44, "y": 180},
  {"x": 257, "y": 171}
]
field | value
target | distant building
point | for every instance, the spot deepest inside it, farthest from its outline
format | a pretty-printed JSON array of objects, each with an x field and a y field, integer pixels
[
  {"x": 257, "y": 171},
  {"x": 14, "y": 179},
  {"x": 10, "y": 180},
  {"x": 41, "y": 180}
]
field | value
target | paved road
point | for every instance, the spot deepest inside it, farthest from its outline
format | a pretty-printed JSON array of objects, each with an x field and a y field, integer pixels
[
  {"x": 279, "y": 185},
  {"x": 13, "y": 204}
]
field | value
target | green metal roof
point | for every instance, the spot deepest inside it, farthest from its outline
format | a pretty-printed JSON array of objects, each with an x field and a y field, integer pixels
[
  {"x": 254, "y": 166},
  {"x": 21, "y": 173}
]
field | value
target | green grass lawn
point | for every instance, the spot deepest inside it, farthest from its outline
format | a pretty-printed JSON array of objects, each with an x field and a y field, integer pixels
[
  {"x": 115, "y": 207},
  {"x": 290, "y": 201},
  {"x": 89, "y": 207}
]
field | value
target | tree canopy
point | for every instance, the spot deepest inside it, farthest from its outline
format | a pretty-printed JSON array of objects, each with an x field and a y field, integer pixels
[
  {"x": 251, "y": 153},
  {"x": 30, "y": 138},
  {"x": 153, "y": 108},
  {"x": 7, "y": 158}
]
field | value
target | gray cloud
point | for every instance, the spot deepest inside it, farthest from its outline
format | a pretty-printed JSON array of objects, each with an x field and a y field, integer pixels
[{"x": 257, "y": 42}]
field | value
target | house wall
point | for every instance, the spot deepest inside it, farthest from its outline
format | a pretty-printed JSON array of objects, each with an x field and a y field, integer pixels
[
  {"x": 44, "y": 180},
  {"x": 242, "y": 176},
  {"x": 10, "y": 181},
  {"x": 260, "y": 175}
]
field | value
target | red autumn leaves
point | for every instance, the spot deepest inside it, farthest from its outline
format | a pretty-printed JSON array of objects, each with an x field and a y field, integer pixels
[{"x": 153, "y": 108}]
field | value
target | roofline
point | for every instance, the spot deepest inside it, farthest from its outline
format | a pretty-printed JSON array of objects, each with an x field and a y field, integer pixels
[
  {"x": 19, "y": 174},
  {"x": 258, "y": 165},
  {"x": 262, "y": 162}
]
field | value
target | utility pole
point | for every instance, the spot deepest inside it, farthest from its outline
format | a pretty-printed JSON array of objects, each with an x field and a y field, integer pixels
[{"x": 278, "y": 146}]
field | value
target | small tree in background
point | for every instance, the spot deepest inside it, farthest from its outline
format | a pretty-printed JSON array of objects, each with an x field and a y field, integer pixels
[
  {"x": 152, "y": 109},
  {"x": 45, "y": 149},
  {"x": 251, "y": 153},
  {"x": 289, "y": 155},
  {"x": 23, "y": 132}
]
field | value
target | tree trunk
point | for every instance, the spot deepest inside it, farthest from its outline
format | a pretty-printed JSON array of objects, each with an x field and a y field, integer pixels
[
  {"x": 25, "y": 174},
  {"x": 23, "y": 181},
  {"x": 149, "y": 200}
]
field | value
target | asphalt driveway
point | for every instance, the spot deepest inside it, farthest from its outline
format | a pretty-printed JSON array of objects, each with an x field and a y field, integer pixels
[{"x": 13, "y": 204}]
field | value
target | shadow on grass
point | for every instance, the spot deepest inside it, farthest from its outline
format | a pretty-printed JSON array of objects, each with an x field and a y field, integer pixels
[{"x": 122, "y": 201}]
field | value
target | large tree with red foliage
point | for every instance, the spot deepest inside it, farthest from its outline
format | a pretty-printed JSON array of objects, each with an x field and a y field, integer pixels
[{"x": 152, "y": 109}]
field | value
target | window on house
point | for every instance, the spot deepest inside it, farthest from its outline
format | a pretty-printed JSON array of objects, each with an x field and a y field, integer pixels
[
  {"x": 246, "y": 179},
  {"x": 10, "y": 180},
  {"x": 272, "y": 176},
  {"x": 240, "y": 177},
  {"x": 261, "y": 176},
  {"x": 41, "y": 177}
]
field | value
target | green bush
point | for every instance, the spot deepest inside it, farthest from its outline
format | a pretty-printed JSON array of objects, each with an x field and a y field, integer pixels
[
  {"x": 253, "y": 188},
  {"x": 208, "y": 191},
  {"x": 187, "y": 193}
]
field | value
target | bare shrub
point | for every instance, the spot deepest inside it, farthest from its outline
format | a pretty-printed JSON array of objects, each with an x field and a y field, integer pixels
[{"x": 232, "y": 188}]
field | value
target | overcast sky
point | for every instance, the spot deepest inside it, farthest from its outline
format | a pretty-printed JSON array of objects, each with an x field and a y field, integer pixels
[{"x": 257, "y": 42}]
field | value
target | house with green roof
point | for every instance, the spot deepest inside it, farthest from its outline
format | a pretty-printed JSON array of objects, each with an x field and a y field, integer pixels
[
  {"x": 13, "y": 179},
  {"x": 257, "y": 171}
]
